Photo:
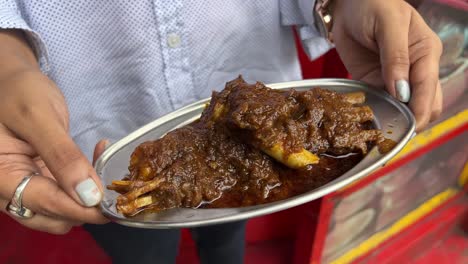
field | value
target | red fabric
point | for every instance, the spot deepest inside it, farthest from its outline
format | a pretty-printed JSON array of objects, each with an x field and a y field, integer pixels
[
  {"x": 327, "y": 66},
  {"x": 21, "y": 245}
]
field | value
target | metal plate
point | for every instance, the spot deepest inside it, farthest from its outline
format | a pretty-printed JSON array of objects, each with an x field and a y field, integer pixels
[{"x": 394, "y": 118}]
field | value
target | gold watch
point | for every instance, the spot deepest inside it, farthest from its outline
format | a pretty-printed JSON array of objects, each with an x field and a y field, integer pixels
[{"x": 323, "y": 18}]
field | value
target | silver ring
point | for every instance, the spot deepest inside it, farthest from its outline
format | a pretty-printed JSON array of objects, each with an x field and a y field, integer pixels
[{"x": 15, "y": 206}]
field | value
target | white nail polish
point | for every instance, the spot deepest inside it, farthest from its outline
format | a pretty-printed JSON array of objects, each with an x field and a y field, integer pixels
[
  {"x": 88, "y": 192},
  {"x": 403, "y": 91}
]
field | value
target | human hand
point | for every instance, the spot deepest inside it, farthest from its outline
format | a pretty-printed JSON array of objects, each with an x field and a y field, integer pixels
[
  {"x": 34, "y": 138},
  {"x": 387, "y": 43}
]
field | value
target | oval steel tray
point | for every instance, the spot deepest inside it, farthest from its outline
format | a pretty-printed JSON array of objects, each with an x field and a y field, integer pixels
[{"x": 394, "y": 118}]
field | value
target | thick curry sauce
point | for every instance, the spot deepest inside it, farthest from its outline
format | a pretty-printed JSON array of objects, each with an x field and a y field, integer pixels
[{"x": 252, "y": 145}]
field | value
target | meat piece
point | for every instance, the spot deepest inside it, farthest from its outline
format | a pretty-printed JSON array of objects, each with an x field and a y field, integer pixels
[
  {"x": 192, "y": 166},
  {"x": 227, "y": 157},
  {"x": 314, "y": 121}
]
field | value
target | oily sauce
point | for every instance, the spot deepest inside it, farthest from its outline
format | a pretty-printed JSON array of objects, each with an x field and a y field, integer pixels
[{"x": 292, "y": 182}]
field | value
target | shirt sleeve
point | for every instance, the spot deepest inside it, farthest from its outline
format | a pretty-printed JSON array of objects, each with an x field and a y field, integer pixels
[
  {"x": 11, "y": 18},
  {"x": 300, "y": 13}
]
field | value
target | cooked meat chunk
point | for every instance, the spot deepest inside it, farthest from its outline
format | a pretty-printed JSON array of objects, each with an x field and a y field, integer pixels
[
  {"x": 317, "y": 120},
  {"x": 252, "y": 145}
]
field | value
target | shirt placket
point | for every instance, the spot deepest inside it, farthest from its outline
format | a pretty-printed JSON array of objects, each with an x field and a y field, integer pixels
[{"x": 174, "y": 38}]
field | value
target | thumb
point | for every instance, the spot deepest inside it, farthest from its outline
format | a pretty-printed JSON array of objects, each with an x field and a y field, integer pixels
[
  {"x": 70, "y": 167},
  {"x": 65, "y": 161},
  {"x": 392, "y": 38}
]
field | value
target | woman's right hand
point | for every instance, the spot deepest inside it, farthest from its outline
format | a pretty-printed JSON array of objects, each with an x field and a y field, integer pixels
[{"x": 34, "y": 138}]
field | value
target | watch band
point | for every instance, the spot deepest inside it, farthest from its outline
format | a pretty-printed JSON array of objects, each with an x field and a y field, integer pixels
[{"x": 323, "y": 18}]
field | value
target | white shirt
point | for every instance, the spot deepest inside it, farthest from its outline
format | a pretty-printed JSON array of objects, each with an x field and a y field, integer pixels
[{"x": 122, "y": 63}]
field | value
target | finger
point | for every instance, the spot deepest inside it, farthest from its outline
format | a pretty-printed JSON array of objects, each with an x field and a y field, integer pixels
[
  {"x": 43, "y": 170},
  {"x": 71, "y": 169},
  {"x": 12, "y": 145},
  {"x": 392, "y": 38},
  {"x": 42, "y": 195},
  {"x": 62, "y": 156},
  {"x": 424, "y": 87},
  {"x": 438, "y": 103},
  {"x": 425, "y": 50},
  {"x": 40, "y": 222},
  {"x": 363, "y": 63},
  {"x": 99, "y": 149}
]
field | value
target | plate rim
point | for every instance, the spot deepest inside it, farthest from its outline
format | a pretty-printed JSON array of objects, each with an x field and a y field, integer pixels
[{"x": 273, "y": 207}]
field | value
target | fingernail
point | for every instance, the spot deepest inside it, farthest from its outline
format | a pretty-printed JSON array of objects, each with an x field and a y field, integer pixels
[
  {"x": 403, "y": 91},
  {"x": 88, "y": 192}
]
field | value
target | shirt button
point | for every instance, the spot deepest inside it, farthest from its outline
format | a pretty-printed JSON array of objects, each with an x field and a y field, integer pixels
[{"x": 173, "y": 40}]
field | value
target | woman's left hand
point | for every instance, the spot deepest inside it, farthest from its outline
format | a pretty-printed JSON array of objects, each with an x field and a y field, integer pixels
[{"x": 387, "y": 43}]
